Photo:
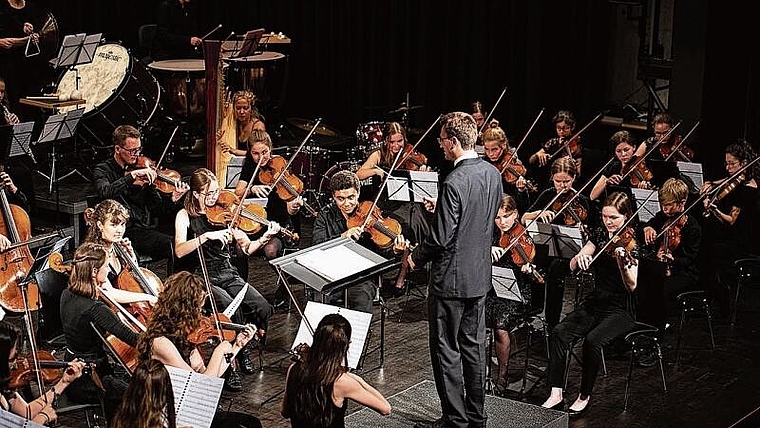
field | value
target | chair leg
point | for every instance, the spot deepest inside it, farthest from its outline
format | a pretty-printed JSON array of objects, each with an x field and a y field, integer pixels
[
  {"x": 735, "y": 303},
  {"x": 528, "y": 342},
  {"x": 662, "y": 369},
  {"x": 628, "y": 379},
  {"x": 680, "y": 331},
  {"x": 709, "y": 323},
  {"x": 604, "y": 363}
]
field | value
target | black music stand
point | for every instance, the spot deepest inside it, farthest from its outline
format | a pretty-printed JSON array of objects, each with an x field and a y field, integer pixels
[
  {"x": 77, "y": 49},
  {"x": 309, "y": 266},
  {"x": 59, "y": 127},
  {"x": 250, "y": 43}
]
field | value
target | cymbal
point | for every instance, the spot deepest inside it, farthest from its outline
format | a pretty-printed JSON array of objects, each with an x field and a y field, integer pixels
[
  {"x": 404, "y": 109},
  {"x": 308, "y": 124}
]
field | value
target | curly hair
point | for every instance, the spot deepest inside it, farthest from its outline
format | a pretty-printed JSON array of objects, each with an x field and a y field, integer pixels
[
  {"x": 149, "y": 400},
  {"x": 744, "y": 153},
  {"x": 321, "y": 367},
  {"x": 106, "y": 210},
  {"x": 564, "y": 116},
  {"x": 343, "y": 180},
  {"x": 176, "y": 314},
  {"x": 461, "y": 126},
  {"x": 251, "y": 98},
  {"x": 88, "y": 257}
]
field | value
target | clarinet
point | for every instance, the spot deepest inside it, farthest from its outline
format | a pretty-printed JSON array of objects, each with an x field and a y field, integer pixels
[{"x": 10, "y": 118}]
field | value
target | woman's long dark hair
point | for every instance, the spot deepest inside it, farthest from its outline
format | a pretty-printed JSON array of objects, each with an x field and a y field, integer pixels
[
  {"x": 149, "y": 399},
  {"x": 320, "y": 369},
  {"x": 9, "y": 335}
]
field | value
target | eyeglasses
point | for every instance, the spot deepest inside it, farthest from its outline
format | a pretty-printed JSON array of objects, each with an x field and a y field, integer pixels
[
  {"x": 134, "y": 152},
  {"x": 661, "y": 132},
  {"x": 733, "y": 163},
  {"x": 211, "y": 192},
  {"x": 441, "y": 140},
  {"x": 563, "y": 128}
]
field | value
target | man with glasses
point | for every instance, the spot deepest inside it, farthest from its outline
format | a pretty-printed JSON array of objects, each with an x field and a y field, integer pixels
[
  {"x": 118, "y": 178},
  {"x": 459, "y": 247}
]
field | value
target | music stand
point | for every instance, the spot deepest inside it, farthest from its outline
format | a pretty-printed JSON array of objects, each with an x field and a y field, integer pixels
[
  {"x": 651, "y": 203},
  {"x": 56, "y": 128},
  {"x": 250, "y": 43},
  {"x": 411, "y": 186},
  {"x": 505, "y": 285},
  {"x": 77, "y": 49},
  {"x": 315, "y": 267}
]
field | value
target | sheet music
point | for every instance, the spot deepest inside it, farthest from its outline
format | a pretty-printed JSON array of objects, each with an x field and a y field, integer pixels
[
  {"x": 334, "y": 263},
  {"x": 568, "y": 240},
  {"x": 70, "y": 45},
  {"x": 51, "y": 128},
  {"x": 70, "y": 123},
  {"x": 651, "y": 206},
  {"x": 505, "y": 284},
  {"x": 22, "y": 136},
  {"x": 397, "y": 189},
  {"x": 12, "y": 420},
  {"x": 195, "y": 397},
  {"x": 424, "y": 183},
  {"x": 360, "y": 321},
  {"x": 235, "y": 303},
  {"x": 89, "y": 46},
  {"x": 693, "y": 170}
]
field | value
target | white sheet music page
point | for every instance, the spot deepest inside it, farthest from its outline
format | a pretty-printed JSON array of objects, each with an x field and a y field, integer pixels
[
  {"x": 334, "y": 263},
  {"x": 397, "y": 189},
  {"x": 692, "y": 170},
  {"x": 195, "y": 397},
  {"x": 505, "y": 284},
  {"x": 651, "y": 207},
  {"x": 315, "y": 311},
  {"x": 424, "y": 183}
]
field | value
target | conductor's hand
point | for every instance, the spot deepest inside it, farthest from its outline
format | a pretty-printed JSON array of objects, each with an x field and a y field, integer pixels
[
  {"x": 4, "y": 242},
  {"x": 260, "y": 190},
  {"x": 429, "y": 203},
  {"x": 649, "y": 234},
  {"x": 143, "y": 176},
  {"x": 354, "y": 233},
  {"x": 196, "y": 41},
  {"x": 7, "y": 183}
]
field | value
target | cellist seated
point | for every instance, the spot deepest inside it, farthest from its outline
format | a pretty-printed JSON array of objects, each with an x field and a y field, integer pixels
[{"x": 16, "y": 197}]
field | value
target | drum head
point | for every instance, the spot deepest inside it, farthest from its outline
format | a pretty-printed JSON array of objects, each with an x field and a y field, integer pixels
[{"x": 99, "y": 81}]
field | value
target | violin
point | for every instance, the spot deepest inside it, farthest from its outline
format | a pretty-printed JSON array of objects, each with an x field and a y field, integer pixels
[
  {"x": 684, "y": 153},
  {"x": 216, "y": 327},
  {"x": 627, "y": 241},
  {"x": 572, "y": 146},
  {"x": 523, "y": 251},
  {"x": 383, "y": 231},
  {"x": 671, "y": 238},
  {"x": 512, "y": 169},
  {"x": 166, "y": 179},
  {"x": 51, "y": 369},
  {"x": 252, "y": 216},
  {"x": 725, "y": 189},
  {"x": 574, "y": 214},
  {"x": 638, "y": 170},
  {"x": 289, "y": 186},
  {"x": 412, "y": 159},
  {"x": 16, "y": 263}
]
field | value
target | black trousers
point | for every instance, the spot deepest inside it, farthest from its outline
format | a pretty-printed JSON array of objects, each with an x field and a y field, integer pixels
[{"x": 457, "y": 334}]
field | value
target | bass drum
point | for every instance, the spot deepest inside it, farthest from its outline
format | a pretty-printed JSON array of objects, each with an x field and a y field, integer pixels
[{"x": 118, "y": 89}]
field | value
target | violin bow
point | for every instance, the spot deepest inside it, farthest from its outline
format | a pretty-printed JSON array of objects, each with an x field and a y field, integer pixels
[
  {"x": 166, "y": 148},
  {"x": 711, "y": 194},
  {"x": 490, "y": 113},
  {"x": 648, "y": 152},
  {"x": 622, "y": 228},
  {"x": 207, "y": 282},
  {"x": 525, "y": 137},
  {"x": 566, "y": 144},
  {"x": 292, "y": 157},
  {"x": 551, "y": 202},
  {"x": 683, "y": 140},
  {"x": 401, "y": 162}
]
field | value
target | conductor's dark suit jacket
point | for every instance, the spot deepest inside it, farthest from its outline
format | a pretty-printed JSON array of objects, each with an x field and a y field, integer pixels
[{"x": 459, "y": 244}]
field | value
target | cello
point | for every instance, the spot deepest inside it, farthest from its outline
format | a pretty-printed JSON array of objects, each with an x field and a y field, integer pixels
[{"x": 16, "y": 262}]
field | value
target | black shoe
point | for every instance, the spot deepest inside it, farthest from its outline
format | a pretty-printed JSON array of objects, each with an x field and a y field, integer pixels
[
  {"x": 280, "y": 297},
  {"x": 232, "y": 381},
  {"x": 439, "y": 423},
  {"x": 245, "y": 363},
  {"x": 559, "y": 406},
  {"x": 576, "y": 413}
]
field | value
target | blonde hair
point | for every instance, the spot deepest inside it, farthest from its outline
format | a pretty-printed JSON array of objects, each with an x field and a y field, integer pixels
[{"x": 673, "y": 190}]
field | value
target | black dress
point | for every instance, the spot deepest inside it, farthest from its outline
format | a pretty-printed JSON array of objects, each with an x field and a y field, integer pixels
[{"x": 505, "y": 314}]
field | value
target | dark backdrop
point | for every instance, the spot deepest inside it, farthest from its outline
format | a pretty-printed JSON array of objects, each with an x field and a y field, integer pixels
[{"x": 352, "y": 61}]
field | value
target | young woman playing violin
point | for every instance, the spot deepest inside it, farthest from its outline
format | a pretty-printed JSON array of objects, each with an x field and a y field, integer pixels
[
  {"x": 333, "y": 221},
  {"x": 662, "y": 123},
  {"x": 412, "y": 218},
  {"x": 41, "y": 409},
  {"x": 107, "y": 223},
  {"x": 176, "y": 316},
  {"x": 564, "y": 125},
  {"x": 499, "y": 154},
  {"x": 624, "y": 146},
  {"x": 247, "y": 119},
  {"x": 193, "y": 229},
  {"x": 81, "y": 307},
  {"x": 606, "y": 313},
  {"x": 504, "y": 315},
  {"x": 563, "y": 174},
  {"x": 673, "y": 238},
  {"x": 730, "y": 219},
  {"x": 318, "y": 386}
]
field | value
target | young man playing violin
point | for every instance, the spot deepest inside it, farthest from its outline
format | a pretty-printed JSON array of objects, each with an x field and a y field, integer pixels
[
  {"x": 192, "y": 229},
  {"x": 119, "y": 178},
  {"x": 673, "y": 238},
  {"x": 333, "y": 221}
]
